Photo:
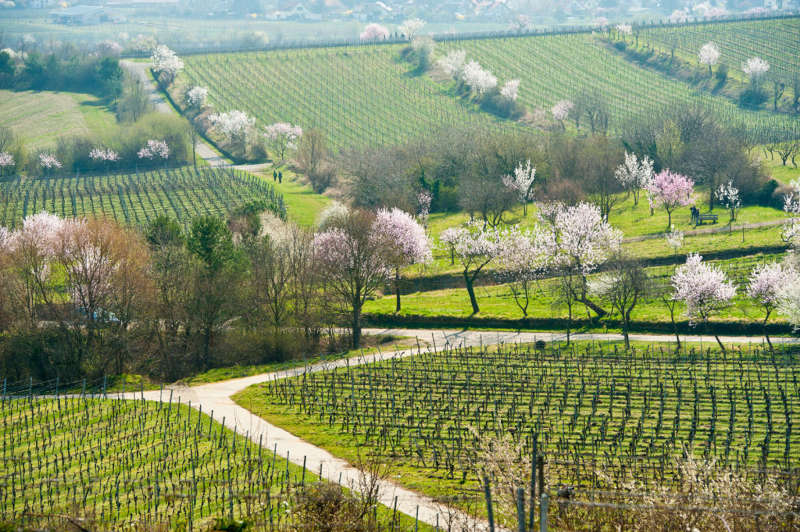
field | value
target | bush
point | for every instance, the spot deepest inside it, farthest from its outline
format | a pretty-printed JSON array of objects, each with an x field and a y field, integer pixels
[
  {"x": 752, "y": 98},
  {"x": 722, "y": 73}
]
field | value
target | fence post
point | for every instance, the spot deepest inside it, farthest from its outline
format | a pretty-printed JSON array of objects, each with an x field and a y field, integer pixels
[
  {"x": 487, "y": 491},
  {"x": 521, "y": 509},
  {"x": 534, "y": 456},
  {"x": 545, "y": 502}
]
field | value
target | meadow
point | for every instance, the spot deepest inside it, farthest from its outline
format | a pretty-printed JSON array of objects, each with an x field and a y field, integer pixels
[
  {"x": 136, "y": 198},
  {"x": 598, "y": 414},
  {"x": 34, "y": 116}
]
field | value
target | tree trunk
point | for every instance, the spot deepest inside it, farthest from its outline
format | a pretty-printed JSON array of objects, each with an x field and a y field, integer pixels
[
  {"x": 766, "y": 335},
  {"x": 356, "y": 325},
  {"x": 471, "y": 291},
  {"x": 397, "y": 289}
]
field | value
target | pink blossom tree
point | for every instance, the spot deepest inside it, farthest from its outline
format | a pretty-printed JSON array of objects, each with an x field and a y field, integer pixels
[
  {"x": 374, "y": 32},
  {"x": 522, "y": 183},
  {"x": 703, "y": 288},
  {"x": 403, "y": 241},
  {"x": 49, "y": 163},
  {"x": 671, "y": 190},
  {"x": 351, "y": 263},
  {"x": 104, "y": 155},
  {"x": 578, "y": 241},
  {"x": 476, "y": 245},
  {"x": 765, "y": 285}
]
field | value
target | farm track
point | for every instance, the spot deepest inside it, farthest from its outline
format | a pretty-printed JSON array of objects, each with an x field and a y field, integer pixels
[
  {"x": 709, "y": 230},
  {"x": 160, "y": 104},
  {"x": 217, "y": 398}
]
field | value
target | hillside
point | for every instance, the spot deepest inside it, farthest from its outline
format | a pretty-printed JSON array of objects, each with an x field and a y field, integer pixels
[
  {"x": 367, "y": 95},
  {"x": 134, "y": 198}
]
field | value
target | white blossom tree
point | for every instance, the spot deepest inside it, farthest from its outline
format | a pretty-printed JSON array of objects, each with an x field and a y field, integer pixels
[
  {"x": 48, "y": 162},
  {"x": 7, "y": 162},
  {"x": 703, "y": 288},
  {"x": 521, "y": 261},
  {"x": 476, "y": 245},
  {"x": 510, "y": 91},
  {"x": 755, "y": 69},
  {"x": 477, "y": 78},
  {"x": 674, "y": 239},
  {"x": 791, "y": 205},
  {"x": 561, "y": 111},
  {"x": 166, "y": 65},
  {"x": 453, "y": 63},
  {"x": 104, "y": 155},
  {"x": 765, "y": 286},
  {"x": 728, "y": 196},
  {"x": 424, "y": 207},
  {"x": 196, "y": 97},
  {"x": 635, "y": 174},
  {"x": 521, "y": 182},
  {"x": 155, "y": 149},
  {"x": 411, "y": 27},
  {"x": 234, "y": 126},
  {"x": 403, "y": 241},
  {"x": 282, "y": 137},
  {"x": 709, "y": 55}
]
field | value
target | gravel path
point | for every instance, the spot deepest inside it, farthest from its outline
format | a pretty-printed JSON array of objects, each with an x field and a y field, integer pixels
[{"x": 216, "y": 398}]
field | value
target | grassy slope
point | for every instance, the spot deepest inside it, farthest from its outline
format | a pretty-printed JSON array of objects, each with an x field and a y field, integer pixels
[
  {"x": 39, "y": 118},
  {"x": 302, "y": 203}
]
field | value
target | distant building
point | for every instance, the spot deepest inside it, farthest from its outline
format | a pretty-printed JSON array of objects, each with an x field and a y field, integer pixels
[{"x": 78, "y": 15}]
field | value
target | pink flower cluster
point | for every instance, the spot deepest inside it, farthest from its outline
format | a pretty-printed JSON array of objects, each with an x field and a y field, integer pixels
[
  {"x": 154, "y": 149},
  {"x": 102, "y": 154},
  {"x": 402, "y": 237},
  {"x": 374, "y": 32},
  {"x": 48, "y": 161},
  {"x": 702, "y": 287}
]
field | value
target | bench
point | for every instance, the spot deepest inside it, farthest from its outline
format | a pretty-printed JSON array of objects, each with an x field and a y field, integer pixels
[{"x": 702, "y": 218}]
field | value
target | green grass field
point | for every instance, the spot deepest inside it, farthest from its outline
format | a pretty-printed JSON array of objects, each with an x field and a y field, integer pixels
[
  {"x": 497, "y": 301},
  {"x": 137, "y": 198},
  {"x": 591, "y": 405},
  {"x": 40, "y": 117},
  {"x": 112, "y": 464},
  {"x": 303, "y": 205}
]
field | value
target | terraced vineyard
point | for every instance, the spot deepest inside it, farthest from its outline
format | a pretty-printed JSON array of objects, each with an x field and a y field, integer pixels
[
  {"x": 561, "y": 66},
  {"x": 356, "y": 95},
  {"x": 592, "y": 409},
  {"x": 366, "y": 95},
  {"x": 116, "y": 464},
  {"x": 777, "y": 41},
  {"x": 137, "y": 198}
]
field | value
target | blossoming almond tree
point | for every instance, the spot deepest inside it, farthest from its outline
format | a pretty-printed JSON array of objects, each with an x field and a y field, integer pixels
[
  {"x": 476, "y": 245},
  {"x": 765, "y": 286},
  {"x": 561, "y": 111},
  {"x": 477, "y": 78},
  {"x": 403, "y": 242},
  {"x": 48, "y": 162},
  {"x": 703, "y": 288},
  {"x": 510, "y": 90},
  {"x": 522, "y": 260},
  {"x": 104, "y": 155},
  {"x": 671, "y": 190},
  {"x": 522, "y": 183},
  {"x": 6, "y": 162},
  {"x": 728, "y": 196},
  {"x": 709, "y": 55},
  {"x": 282, "y": 137},
  {"x": 634, "y": 174},
  {"x": 155, "y": 149},
  {"x": 374, "y": 32},
  {"x": 196, "y": 97},
  {"x": 234, "y": 126},
  {"x": 453, "y": 63},
  {"x": 352, "y": 264},
  {"x": 578, "y": 241},
  {"x": 166, "y": 65},
  {"x": 791, "y": 205},
  {"x": 411, "y": 27}
]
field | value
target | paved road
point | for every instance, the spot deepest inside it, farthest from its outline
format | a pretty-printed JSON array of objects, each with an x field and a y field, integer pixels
[
  {"x": 160, "y": 104},
  {"x": 216, "y": 398}
]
